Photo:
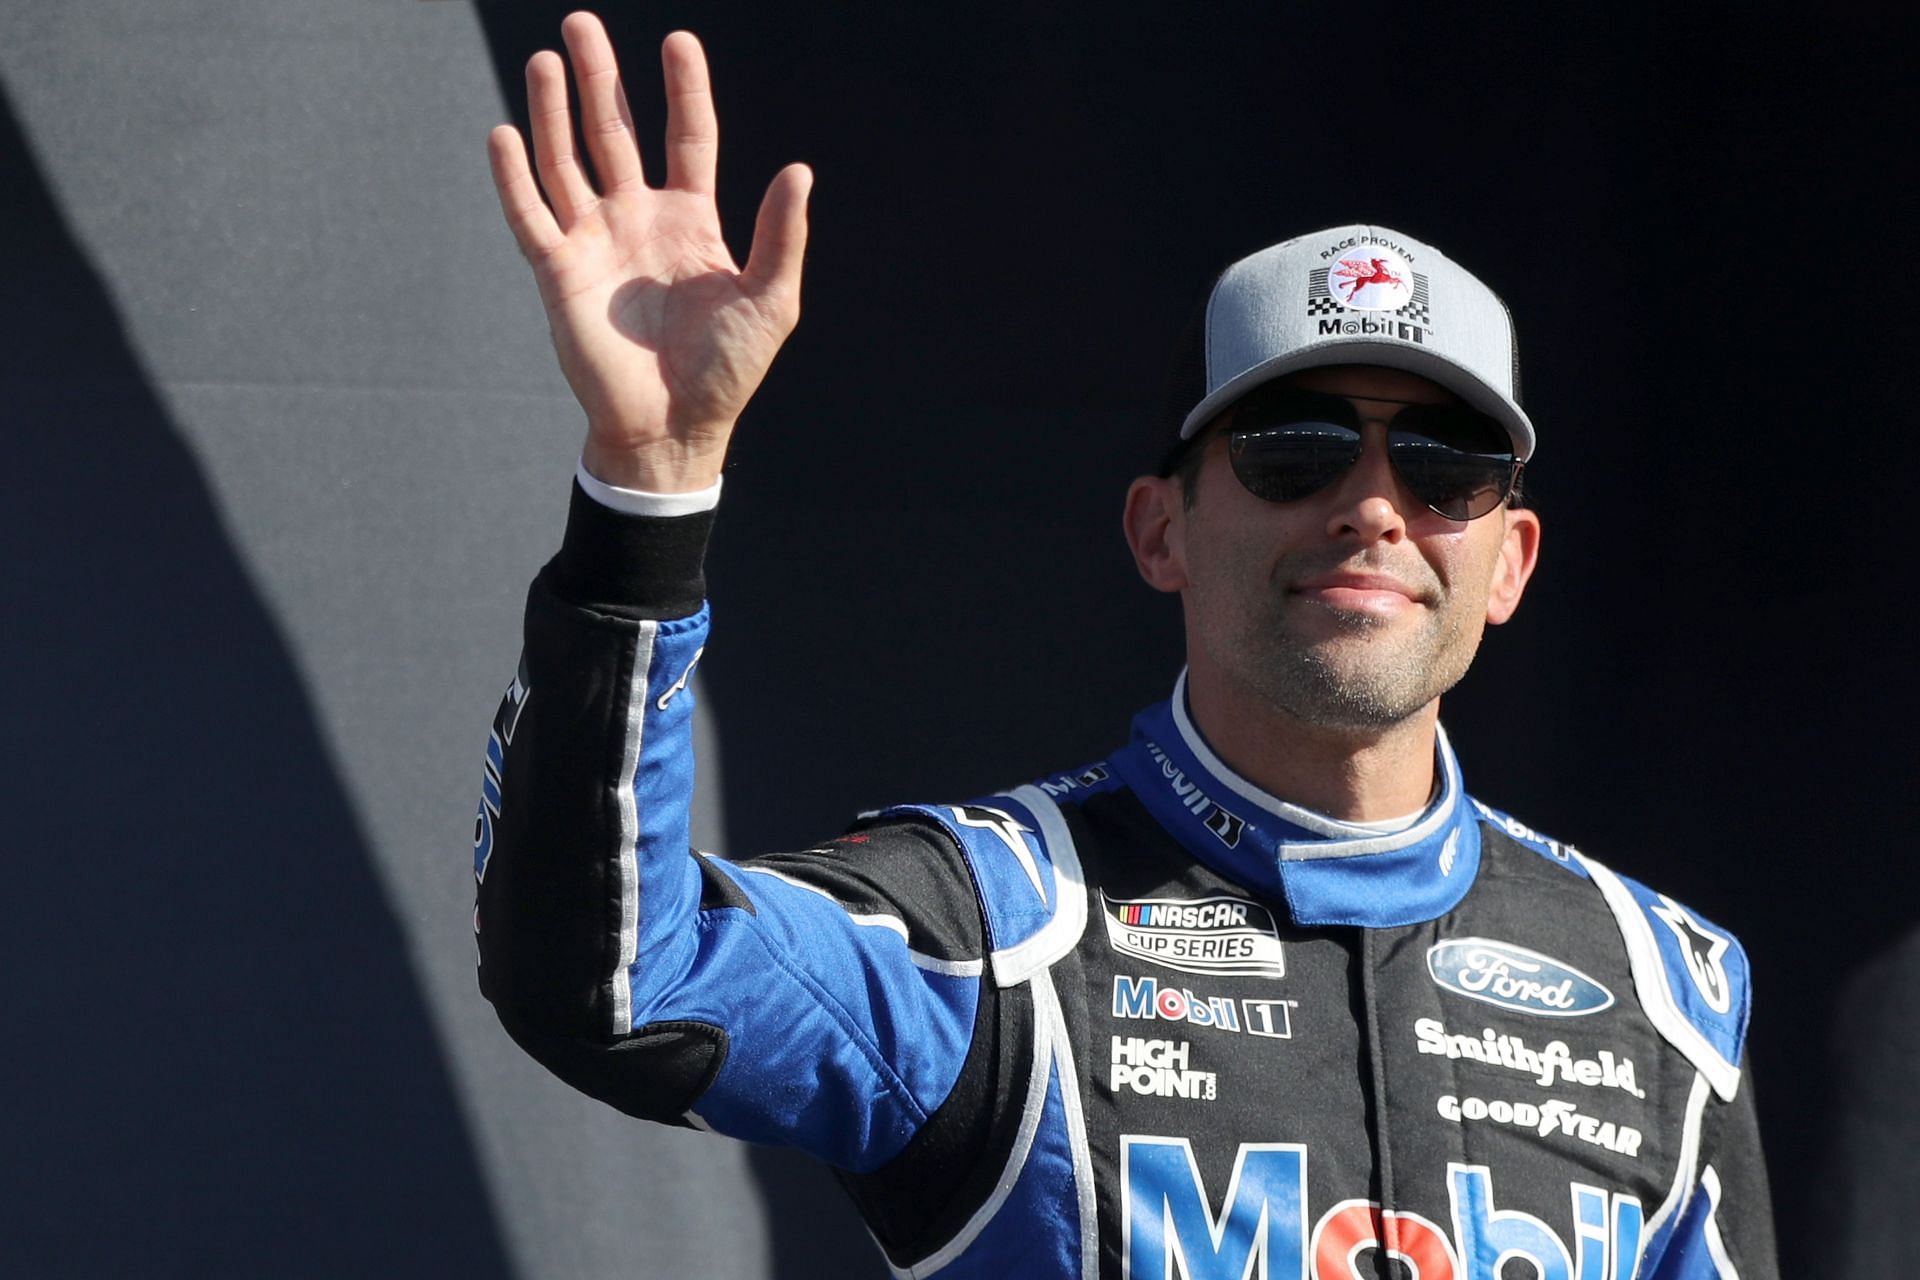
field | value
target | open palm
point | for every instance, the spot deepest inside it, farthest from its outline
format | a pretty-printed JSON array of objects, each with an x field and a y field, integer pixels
[{"x": 661, "y": 336}]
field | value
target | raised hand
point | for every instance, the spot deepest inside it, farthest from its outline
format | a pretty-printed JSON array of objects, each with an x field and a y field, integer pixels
[{"x": 662, "y": 338}]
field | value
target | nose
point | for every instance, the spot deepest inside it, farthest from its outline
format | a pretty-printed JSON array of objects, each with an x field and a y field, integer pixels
[{"x": 1369, "y": 501}]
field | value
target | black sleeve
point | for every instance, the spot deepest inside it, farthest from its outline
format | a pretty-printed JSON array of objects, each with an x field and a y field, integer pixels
[
  {"x": 1725, "y": 1227},
  {"x": 826, "y": 998},
  {"x": 1743, "y": 1212}
]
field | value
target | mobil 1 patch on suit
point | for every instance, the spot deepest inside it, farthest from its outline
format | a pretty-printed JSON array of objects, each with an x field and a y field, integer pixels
[{"x": 1197, "y": 935}]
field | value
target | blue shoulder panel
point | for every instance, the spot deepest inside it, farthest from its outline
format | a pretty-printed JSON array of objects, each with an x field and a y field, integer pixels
[
  {"x": 1024, "y": 865},
  {"x": 1706, "y": 969},
  {"x": 1692, "y": 976}
]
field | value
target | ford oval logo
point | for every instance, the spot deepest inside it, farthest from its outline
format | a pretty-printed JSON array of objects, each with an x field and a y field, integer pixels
[{"x": 1514, "y": 978}]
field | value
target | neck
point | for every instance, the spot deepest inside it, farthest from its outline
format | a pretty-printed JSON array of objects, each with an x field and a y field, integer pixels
[{"x": 1354, "y": 774}]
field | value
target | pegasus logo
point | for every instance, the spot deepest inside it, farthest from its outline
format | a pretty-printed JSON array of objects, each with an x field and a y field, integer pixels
[{"x": 1357, "y": 273}]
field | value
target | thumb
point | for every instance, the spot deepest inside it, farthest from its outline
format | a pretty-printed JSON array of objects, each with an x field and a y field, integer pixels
[{"x": 780, "y": 236}]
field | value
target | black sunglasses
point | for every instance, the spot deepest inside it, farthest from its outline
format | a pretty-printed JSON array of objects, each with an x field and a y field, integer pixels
[{"x": 1286, "y": 444}]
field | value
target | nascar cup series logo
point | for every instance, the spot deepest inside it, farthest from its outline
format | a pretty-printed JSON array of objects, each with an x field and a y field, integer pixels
[
  {"x": 1197, "y": 935},
  {"x": 1371, "y": 277},
  {"x": 1515, "y": 978}
]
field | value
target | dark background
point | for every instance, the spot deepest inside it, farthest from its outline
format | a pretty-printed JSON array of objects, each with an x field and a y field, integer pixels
[{"x": 285, "y": 444}]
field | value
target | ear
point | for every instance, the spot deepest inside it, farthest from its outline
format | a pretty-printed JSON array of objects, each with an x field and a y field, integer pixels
[
  {"x": 1519, "y": 552},
  {"x": 1155, "y": 522}
]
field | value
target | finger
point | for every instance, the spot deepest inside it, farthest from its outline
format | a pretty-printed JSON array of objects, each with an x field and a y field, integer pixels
[
  {"x": 693, "y": 131},
  {"x": 527, "y": 215},
  {"x": 554, "y": 160},
  {"x": 780, "y": 237},
  {"x": 604, "y": 120}
]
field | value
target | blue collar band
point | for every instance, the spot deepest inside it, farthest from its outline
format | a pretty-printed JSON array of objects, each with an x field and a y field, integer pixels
[{"x": 1325, "y": 871}]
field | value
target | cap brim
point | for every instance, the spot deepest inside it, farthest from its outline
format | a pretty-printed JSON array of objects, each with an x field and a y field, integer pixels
[{"x": 1393, "y": 355}]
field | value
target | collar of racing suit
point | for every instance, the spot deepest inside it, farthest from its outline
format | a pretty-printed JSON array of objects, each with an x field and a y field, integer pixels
[{"x": 1327, "y": 872}]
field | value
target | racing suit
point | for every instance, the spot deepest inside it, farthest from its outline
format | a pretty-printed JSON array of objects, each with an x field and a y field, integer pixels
[{"x": 1137, "y": 1019}]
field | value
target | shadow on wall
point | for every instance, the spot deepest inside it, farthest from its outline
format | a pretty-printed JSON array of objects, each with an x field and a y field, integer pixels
[{"x": 217, "y": 1051}]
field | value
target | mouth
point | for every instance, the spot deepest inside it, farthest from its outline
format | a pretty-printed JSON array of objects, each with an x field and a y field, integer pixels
[{"x": 1376, "y": 594}]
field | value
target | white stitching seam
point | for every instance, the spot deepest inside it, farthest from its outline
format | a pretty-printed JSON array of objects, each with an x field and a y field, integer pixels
[{"x": 628, "y": 856}]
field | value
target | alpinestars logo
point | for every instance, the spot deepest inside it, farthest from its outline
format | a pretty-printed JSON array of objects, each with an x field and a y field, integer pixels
[
  {"x": 1703, "y": 950},
  {"x": 1008, "y": 830},
  {"x": 660, "y": 703}
]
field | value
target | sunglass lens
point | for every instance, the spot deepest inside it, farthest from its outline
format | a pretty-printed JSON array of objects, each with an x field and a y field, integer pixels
[
  {"x": 1457, "y": 484},
  {"x": 1456, "y": 460},
  {"x": 1283, "y": 464}
]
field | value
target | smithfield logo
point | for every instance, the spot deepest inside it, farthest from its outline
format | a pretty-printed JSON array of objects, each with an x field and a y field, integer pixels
[{"x": 1515, "y": 978}]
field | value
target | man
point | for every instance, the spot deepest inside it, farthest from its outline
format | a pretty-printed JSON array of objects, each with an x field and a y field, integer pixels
[{"x": 1264, "y": 991}]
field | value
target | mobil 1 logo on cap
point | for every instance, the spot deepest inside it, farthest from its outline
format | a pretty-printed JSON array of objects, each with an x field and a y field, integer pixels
[{"x": 1197, "y": 935}]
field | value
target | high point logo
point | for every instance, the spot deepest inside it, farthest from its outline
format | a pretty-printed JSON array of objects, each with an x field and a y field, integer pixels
[
  {"x": 1158, "y": 1068},
  {"x": 1200, "y": 935},
  {"x": 1512, "y": 977}
]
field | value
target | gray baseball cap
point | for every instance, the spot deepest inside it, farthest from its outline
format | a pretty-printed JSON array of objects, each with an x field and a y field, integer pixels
[{"x": 1359, "y": 295}]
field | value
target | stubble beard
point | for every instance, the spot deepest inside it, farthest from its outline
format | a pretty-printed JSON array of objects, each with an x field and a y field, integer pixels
[{"x": 1363, "y": 677}]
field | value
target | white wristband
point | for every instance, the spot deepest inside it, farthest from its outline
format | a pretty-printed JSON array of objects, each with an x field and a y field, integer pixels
[{"x": 639, "y": 502}]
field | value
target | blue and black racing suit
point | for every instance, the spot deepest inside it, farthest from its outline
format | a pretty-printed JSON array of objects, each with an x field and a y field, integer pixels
[{"x": 1138, "y": 1019}]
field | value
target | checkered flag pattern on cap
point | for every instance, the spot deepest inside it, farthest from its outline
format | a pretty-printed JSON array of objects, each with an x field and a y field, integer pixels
[{"x": 1420, "y": 309}]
